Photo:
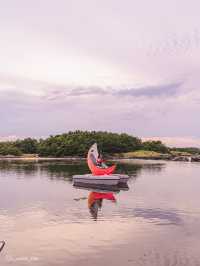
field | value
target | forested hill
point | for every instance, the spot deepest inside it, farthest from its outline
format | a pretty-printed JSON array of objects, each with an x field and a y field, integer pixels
[{"x": 77, "y": 143}]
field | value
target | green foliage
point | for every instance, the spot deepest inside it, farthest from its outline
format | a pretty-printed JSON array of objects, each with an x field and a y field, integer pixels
[
  {"x": 8, "y": 148},
  {"x": 17, "y": 148},
  {"x": 78, "y": 142},
  {"x": 157, "y": 146},
  {"x": 27, "y": 145}
]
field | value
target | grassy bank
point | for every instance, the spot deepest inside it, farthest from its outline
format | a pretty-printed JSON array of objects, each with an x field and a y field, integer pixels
[{"x": 142, "y": 154}]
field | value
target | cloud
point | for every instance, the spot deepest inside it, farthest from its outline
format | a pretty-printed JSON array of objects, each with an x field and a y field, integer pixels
[
  {"x": 53, "y": 91},
  {"x": 163, "y": 110},
  {"x": 62, "y": 92},
  {"x": 87, "y": 91},
  {"x": 59, "y": 92},
  {"x": 152, "y": 91}
]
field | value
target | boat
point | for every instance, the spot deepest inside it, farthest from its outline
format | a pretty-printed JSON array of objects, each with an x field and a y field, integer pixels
[
  {"x": 111, "y": 180},
  {"x": 108, "y": 180},
  {"x": 92, "y": 160},
  {"x": 101, "y": 173}
]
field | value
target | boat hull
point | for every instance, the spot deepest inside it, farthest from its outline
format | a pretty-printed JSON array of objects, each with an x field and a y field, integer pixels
[
  {"x": 97, "y": 180},
  {"x": 111, "y": 180},
  {"x": 123, "y": 179}
]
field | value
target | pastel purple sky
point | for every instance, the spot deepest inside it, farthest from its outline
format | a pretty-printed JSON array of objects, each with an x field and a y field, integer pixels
[{"x": 123, "y": 66}]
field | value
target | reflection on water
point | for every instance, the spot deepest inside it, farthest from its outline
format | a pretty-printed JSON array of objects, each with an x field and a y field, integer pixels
[
  {"x": 102, "y": 188},
  {"x": 95, "y": 201},
  {"x": 102, "y": 192},
  {"x": 66, "y": 169},
  {"x": 45, "y": 220}
]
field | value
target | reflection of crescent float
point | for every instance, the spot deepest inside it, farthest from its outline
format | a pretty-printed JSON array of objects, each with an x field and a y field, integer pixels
[
  {"x": 92, "y": 160},
  {"x": 93, "y": 196},
  {"x": 95, "y": 200}
]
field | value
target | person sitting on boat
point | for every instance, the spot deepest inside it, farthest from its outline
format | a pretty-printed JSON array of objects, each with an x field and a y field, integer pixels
[{"x": 101, "y": 162}]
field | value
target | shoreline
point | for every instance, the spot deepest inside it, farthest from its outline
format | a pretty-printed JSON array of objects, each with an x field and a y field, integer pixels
[
  {"x": 20, "y": 158},
  {"x": 191, "y": 158}
]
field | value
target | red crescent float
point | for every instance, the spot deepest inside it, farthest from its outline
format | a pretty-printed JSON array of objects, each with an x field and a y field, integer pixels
[{"x": 92, "y": 160}]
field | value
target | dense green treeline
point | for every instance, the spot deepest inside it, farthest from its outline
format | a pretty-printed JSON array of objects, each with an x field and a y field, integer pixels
[{"x": 78, "y": 142}]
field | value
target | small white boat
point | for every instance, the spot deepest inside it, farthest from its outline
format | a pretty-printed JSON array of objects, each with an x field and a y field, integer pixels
[
  {"x": 101, "y": 173},
  {"x": 111, "y": 180}
]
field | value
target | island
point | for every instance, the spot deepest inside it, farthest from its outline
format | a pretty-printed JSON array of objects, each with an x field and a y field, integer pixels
[{"x": 75, "y": 144}]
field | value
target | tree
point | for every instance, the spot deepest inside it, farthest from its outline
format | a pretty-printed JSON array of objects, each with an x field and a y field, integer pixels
[
  {"x": 8, "y": 148},
  {"x": 157, "y": 146},
  {"x": 27, "y": 145}
]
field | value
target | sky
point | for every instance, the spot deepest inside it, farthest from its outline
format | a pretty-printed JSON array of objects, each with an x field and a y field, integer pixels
[{"x": 121, "y": 66}]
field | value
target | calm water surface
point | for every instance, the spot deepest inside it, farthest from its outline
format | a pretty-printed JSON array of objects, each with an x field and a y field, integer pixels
[{"x": 46, "y": 221}]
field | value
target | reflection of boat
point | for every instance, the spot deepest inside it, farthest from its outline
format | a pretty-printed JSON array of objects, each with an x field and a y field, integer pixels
[
  {"x": 97, "y": 195},
  {"x": 98, "y": 168},
  {"x": 95, "y": 200},
  {"x": 101, "y": 188}
]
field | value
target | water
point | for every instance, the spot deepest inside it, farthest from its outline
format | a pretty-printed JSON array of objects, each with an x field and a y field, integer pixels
[{"x": 46, "y": 221}]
